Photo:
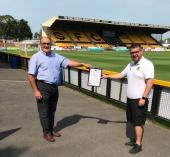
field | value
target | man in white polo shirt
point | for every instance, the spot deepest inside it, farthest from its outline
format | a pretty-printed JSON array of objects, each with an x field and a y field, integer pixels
[{"x": 140, "y": 74}]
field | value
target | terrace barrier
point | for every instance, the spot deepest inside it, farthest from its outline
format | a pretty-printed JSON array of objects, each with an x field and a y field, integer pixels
[
  {"x": 115, "y": 91},
  {"x": 110, "y": 90}
]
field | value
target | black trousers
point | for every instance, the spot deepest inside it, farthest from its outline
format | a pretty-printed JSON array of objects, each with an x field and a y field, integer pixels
[{"x": 47, "y": 105}]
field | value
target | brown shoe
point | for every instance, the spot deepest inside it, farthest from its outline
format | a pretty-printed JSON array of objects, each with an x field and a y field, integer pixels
[
  {"x": 49, "y": 137},
  {"x": 56, "y": 134}
]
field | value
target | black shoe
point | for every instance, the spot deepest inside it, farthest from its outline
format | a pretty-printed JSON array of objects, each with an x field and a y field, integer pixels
[
  {"x": 130, "y": 143},
  {"x": 137, "y": 148}
]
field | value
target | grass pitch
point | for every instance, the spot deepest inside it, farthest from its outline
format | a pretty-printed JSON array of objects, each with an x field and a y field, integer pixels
[{"x": 116, "y": 61}]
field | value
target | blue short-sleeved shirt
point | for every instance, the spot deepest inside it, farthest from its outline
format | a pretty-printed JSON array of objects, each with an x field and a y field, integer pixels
[{"x": 47, "y": 67}]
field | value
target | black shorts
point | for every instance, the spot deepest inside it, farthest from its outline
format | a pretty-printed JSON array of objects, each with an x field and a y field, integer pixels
[{"x": 136, "y": 114}]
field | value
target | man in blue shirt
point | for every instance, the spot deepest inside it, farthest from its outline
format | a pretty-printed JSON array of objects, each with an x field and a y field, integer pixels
[{"x": 44, "y": 77}]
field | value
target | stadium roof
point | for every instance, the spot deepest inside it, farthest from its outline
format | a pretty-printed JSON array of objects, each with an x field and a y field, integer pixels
[{"x": 82, "y": 23}]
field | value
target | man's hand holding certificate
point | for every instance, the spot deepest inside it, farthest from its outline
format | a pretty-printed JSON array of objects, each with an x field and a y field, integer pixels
[{"x": 95, "y": 77}]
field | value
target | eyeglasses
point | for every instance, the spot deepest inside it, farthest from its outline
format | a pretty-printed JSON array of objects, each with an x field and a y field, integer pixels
[
  {"x": 46, "y": 43},
  {"x": 134, "y": 52}
]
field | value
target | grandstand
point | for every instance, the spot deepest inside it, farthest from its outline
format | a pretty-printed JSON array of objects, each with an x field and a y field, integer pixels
[{"x": 83, "y": 32}]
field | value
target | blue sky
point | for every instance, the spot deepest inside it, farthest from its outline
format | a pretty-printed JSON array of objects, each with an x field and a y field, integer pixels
[{"x": 136, "y": 11}]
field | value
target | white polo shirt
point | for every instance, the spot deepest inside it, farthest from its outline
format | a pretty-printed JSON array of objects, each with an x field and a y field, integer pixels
[{"x": 136, "y": 75}]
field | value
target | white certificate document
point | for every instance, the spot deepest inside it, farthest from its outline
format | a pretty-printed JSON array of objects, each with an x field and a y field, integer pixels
[{"x": 95, "y": 77}]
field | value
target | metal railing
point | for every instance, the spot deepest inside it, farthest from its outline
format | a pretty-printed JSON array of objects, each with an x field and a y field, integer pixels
[
  {"x": 111, "y": 90},
  {"x": 115, "y": 91}
]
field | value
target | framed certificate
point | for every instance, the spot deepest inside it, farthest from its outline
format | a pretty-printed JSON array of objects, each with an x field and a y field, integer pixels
[{"x": 94, "y": 77}]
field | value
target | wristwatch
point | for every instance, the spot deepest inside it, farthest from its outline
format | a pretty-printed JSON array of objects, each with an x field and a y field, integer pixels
[{"x": 144, "y": 98}]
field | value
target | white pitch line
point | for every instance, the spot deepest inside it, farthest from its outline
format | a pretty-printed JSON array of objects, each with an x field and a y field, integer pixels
[{"x": 11, "y": 81}]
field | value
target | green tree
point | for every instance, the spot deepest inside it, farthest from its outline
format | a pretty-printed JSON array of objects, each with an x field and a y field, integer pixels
[
  {"x": 24, "y": 31},
  {"x": 6, "y": 25},
  {"x": 166, "y": 40},
  {"x": 15, "y": 29},
  {"x": 10, "y": 29},
  {"x": 36, "y": 35}
]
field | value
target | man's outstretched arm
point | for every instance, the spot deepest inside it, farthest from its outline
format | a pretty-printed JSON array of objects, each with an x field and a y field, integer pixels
[{"x": 77, "y": 64}]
